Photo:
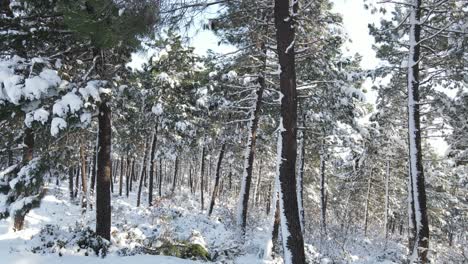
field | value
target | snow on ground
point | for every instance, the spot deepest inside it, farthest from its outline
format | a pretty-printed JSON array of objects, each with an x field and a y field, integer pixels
[{"x": 176, "y": 218}]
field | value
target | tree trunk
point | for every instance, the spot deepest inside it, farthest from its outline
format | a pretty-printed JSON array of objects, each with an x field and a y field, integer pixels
[
  {"x": 28, "y": 141},
  {"x": 387, "y": 176},
  {"x": 293, "y": 243},
  {"x": 323, "y": 197},
  {"x": 84, "y": 180},
  {"x": 121, "y": 175},
  {"x": 94, "y": 166},
  {"x": 77, "y": 181},
  {"x": 70, "y": 182},
  {"x": 127, "y": 176},
  {"x": 202, "y": 172},
  {"x": 418, "y": 207},
  {"x": 143, "y": 168},
  {"x": 132, "y": 174},
  {"x": 218, "y": 170},
  {"x": 103, "y": 181},
  {"x": 151, "y": 162},
  {"x": 257, "y": 185},
  {"x": 250, "y": 152},
  {"x": 176, "y": 168},
  {"x": 366, "y": 213},
  {"x": 300, "y": 176},
  {"x": 190, "y": 178},
  {"x": 160, "y": 177}
]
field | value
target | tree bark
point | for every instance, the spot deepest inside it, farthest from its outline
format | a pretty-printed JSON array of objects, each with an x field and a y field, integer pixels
[
  {"x": 127, "y": 176},
  {"x": 176, "y": 168},
  {"x": 366, "y": 213},
  {"x": 293, "y": 243},
  {"x": 143, "y": 168},
  {"x": 84, "y": 180},
  {"x": 250, "y": 153},
  {"x": 216, "y": 186},
  {"x": 418, "y": 207},
  {"x": 103, "y": 181},
  {"x": 151, "y": 162},
  {"x": 70, "y": 182},
  {"x": 160, "y": 177},
  {"x": 121, "y": 175},
  {"x": 202, "y": 172},
  {"x": 323, "y": 197}
]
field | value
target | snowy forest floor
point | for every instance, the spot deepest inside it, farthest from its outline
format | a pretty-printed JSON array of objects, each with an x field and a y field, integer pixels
[{"x": 53, "y": 230}]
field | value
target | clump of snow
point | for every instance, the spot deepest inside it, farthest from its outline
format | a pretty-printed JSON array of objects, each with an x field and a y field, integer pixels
[
  {"x": 40, "y": 115},
  {"x": 57, "y": 125},
  {"x": 157, "y": 109},
  {"x": 70, "y": 103}
]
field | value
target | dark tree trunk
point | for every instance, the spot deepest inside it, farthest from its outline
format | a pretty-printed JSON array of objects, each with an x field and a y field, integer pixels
[
  {"x": 132, "y": 174},
  {"x": 190, "y": 178},
  {"x": 121, "y": 176},
  {"x": 202, "y": 172},
  {"x": 323, "y": 197},
  {"x": 28, "y": 141},
  {"x": 419, "y": 238},
  {"x": 77, "y": 181},
  {"x": 366, "y": 212},
  {"x": 84, "y": 180},
  {"x": 176, "y": 168},
  {"x": 276, "y": 224},
  {"x": 103, "y": 180},
  {"x": 127, "y": 176},
  {"x": 218, "y": 170},
  {"x": 251, "y": 146},
  {"x": 70, "y": 183},
  {"x": 143, "y": 168},
  {"x": 151, "y": 162},
  {"x": 230, "y": 176},
  {"x": 160, "y": 177},
  {"x": 93, "y": 169},
  {"x": 285, "y": 36}
]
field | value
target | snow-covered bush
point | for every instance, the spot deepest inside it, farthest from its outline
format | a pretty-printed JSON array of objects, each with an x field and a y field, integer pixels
[{"x": 76, "y": 240}]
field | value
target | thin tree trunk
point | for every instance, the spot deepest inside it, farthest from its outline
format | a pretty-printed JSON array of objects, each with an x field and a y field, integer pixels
[
  {"x": 202, "y": 172},
  {"x": 323, "y": 197},
  {"x": 218, "y": 170},
  {"x": 160, "y": 177},
  {"x": 176, "y": 168},
  {"x": 127, "y": 176},
  {"x": 152, "y": 161},
  {"x": 84, "y": 180},
  {"x": 77, "y": 181},
  {"x": 300, "y": 175},
  {"x": 366, "y": 213},
  {"x": 257, "y": 185},
  {"x": 103, "y": 181},
  {"x": 190, "y": 178},
  {"x": 250, "y": 152},
  {"x": 70, "y": 182},
  {"x": 293, "y": 243},
  {"x": 132, "y": 174},
  {"x": 121, "y": 175},
  {"x": 143, "y": 168},
  {"x": 94, "y": 164}
]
